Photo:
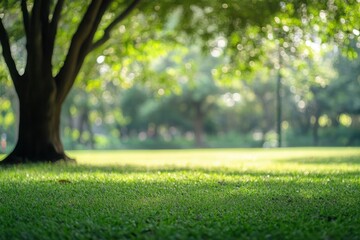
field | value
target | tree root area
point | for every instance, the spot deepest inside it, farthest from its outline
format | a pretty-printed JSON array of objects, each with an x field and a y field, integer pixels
[{"x": 14, "y": 159}]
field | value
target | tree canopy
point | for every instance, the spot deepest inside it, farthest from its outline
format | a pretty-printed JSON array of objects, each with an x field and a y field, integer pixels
[{"x": 45, "y": 45}]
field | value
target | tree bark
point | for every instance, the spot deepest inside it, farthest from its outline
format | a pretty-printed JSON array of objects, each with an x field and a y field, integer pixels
[
  {"x": 40, "y": 93},
  {"x": 39, "y": 127}
]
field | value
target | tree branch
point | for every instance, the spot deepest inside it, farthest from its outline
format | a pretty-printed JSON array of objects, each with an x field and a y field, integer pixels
[
  {"x": 26, "y": 17},
  {"x": 109, "y": 28},
  {"x": 87, "y": 44},
  {"x": 44, "y": 17},
  {"x": 34, "y": 41},
  {"x": 57, "y": 12},
  {"x": 54, "y": 25},
  {"x": 84, "y": 49},
  {"x": 5, "y": 43},
  {"x": 45, "y": 24},
  {"x": 67, "y": 73}
]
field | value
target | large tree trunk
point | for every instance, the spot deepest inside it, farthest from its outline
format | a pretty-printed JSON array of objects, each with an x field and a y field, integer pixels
[
  {"x": 40, "y": 91},
  {"x": 39, "y": 127}
]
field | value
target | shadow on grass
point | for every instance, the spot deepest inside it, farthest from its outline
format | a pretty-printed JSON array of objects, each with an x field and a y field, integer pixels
[
  {"x": 223, "y": 170},
  {"x": 318, "y": 160},
  {"x": 177, "y": 203},
  {"x": 276, "y": 206}
]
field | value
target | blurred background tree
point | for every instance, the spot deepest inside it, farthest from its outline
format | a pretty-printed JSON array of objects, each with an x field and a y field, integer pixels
[{"x": 210, "y": 74}]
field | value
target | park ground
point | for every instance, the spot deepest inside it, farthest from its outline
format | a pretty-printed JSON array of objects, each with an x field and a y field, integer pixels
[{"x": 299, "y": 193}]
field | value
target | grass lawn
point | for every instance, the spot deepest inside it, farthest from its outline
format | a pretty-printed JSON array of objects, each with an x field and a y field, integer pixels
[{"x": 300, "y": 193}]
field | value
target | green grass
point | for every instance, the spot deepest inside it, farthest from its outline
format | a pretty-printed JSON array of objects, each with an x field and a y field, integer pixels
[{"x": 299, "y": 193}]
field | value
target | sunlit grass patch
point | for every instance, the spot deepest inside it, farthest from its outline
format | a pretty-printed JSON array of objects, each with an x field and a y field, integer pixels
[
  {"x": 294, "y": 159},
  {"x": 201, "y": 194}
]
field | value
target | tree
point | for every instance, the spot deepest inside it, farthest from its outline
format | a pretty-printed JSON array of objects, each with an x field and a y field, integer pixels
[
  {"x": 43, "y": 86},
  {"x": 44, "y": 82},
  {"x": 41, "y": 90},
  {"x": 298, "y": 23}
]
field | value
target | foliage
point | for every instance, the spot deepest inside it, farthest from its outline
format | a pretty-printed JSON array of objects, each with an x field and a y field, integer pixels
[
  {"x": 213, "y": 194},
  {"x": 193, "y": 50}
]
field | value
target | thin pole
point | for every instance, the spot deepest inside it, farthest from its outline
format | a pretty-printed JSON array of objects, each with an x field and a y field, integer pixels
[{"x": 278, "y": 102}]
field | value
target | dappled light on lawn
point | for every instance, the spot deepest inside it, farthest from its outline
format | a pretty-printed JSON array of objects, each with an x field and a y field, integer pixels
[
  {"x": 291, "y": 159},
  {"x": 200, "y": 194}
]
